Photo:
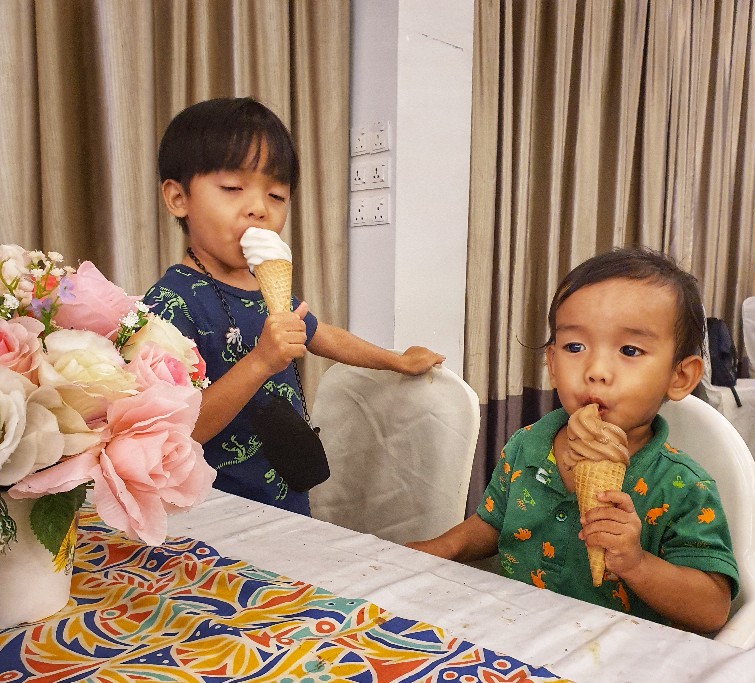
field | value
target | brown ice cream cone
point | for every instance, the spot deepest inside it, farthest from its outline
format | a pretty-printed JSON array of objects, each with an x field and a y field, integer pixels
[
  {"x": 274, "y": 278},
  {"x": 590, "y": 477}
]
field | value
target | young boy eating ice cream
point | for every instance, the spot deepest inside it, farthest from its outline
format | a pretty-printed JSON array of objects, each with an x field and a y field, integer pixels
[
  {"x": 227, "y": 170},
  {"x": 627, "y": 329}
]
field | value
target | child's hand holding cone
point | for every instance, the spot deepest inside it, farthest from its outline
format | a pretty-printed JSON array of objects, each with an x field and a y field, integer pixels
[{"x": 599, "y": 455}]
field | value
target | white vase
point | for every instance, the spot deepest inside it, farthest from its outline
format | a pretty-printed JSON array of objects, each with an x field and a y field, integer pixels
[{"x": 33, "y": 583}]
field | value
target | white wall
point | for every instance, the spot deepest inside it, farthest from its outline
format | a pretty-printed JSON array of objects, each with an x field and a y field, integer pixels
[{"x": 412, "y": 65}]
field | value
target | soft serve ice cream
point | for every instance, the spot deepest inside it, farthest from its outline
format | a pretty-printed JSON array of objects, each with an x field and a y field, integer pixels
[
  {"x": 599, "y": 453},
  {"x": 269, "y": 258}
]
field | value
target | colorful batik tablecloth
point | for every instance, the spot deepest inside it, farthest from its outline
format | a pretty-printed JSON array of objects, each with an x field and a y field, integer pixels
[{"x": 180, "y": 612}]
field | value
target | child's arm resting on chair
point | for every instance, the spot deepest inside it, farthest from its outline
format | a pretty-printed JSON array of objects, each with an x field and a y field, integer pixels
[{"x": 342, "y": 346}]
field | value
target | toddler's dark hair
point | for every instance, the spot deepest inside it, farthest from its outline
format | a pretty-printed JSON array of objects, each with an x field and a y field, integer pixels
[
  {"x": 219, "y": 134},
  {"x": 642, "y": 263}
]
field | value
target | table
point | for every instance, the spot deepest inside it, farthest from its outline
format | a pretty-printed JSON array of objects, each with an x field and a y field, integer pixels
[
  {"x": 570, "y": 638},
  {"x": 184, "y": 613}
]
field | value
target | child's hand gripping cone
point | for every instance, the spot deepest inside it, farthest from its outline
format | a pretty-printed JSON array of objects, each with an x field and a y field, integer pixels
[
  {"x": 594, "y": 442},
  {"x": 269, "y": 258}
]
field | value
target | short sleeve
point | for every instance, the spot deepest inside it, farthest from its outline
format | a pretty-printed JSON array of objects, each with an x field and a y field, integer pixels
[
  {"x": 172, "y": 307},
  {"x": 699, "y": 536},
  {"x": 492, "y": 509}
]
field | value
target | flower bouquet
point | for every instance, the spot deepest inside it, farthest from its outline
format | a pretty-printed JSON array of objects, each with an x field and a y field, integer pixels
[{"x": 97, "y": 396}]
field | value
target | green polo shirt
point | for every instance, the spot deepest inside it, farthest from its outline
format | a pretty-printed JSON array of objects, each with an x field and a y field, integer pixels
[{"x": 538, "y": 520}]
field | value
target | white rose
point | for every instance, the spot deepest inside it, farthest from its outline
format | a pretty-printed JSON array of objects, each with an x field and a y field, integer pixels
[
  {"x": 167, "y": 336},
  {"x": 87, "y": 371},
  {"x": 31, "y": 439},
  {"x": 13, "y": 262}
]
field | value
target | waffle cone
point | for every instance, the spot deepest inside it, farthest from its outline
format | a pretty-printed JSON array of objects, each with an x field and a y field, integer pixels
[
  {"x": 274, "y": 279},
  {"x": 590, "y": 477}
]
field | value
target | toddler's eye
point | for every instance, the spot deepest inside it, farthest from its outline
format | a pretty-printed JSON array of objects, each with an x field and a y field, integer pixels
[
  {"x": 230, "y": 188},
  {"x": 574, "y": 347},
  {"x": 277, "y": 197},
  {"x": 631, "y": 351}
]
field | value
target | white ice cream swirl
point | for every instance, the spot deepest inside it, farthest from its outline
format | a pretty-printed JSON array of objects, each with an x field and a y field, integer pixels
[{"x": 261, "y": 245}]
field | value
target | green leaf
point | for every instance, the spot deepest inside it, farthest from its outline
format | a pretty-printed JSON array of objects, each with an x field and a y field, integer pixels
[{"x": 51, "y": 516}]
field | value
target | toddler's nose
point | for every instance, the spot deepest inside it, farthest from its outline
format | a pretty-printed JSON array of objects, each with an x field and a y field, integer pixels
[{"x": 598, "y": 370}]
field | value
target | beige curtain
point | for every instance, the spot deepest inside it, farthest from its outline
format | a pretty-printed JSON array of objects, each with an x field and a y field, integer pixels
[
  {"x": 88, "y": 87},
  {"x": 598, "y": 123}
]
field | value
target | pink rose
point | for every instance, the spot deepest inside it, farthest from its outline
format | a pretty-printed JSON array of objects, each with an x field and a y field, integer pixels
[
  {"x": 149, "y": 465},
  {"x": 200, "y": 367},
  {"x": 96, "y": 303},
  {"x": 152, "y": 364},
  {"x": 20, "y": 345}
]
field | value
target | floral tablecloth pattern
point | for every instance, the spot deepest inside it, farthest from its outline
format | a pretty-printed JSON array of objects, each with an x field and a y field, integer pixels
[{"x": 180, "y": 612}]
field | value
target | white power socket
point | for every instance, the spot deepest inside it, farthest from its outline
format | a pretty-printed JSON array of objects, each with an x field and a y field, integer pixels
[
  {"x": 370, "y": 174},
  {"x": 359, "y": 176},
  {"x": 361, "y": 140},
  {"x": 360, "y": 213},
  {"x": 381, "y": 210},
  {"x": 381, "y": 136},
  {"x": 370, "y": 210}
]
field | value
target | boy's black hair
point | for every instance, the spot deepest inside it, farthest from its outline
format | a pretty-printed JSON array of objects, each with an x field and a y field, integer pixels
[
  {"x": 642, "y": 263},
  {"x": 218, "y": 134}
]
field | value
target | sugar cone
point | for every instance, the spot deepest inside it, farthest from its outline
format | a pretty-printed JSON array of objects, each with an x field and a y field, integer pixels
[
  {"x": 590, "y": 477},
  {"x": 274, "y": 278}
]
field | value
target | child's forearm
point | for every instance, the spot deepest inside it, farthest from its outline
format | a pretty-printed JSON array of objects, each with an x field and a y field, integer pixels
[
  {"x": 473, "y": 539},
  {"x": 344, "y": 347},
  {"x": 691, "y": 599},
  {"x": 227, "y": 396}
]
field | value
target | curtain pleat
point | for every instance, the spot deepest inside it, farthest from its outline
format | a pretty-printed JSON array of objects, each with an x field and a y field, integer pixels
[{"x": 597, "y": 124}]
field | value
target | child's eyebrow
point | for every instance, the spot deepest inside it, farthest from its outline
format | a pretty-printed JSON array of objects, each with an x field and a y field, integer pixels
[{"x": 634, "y": 331}]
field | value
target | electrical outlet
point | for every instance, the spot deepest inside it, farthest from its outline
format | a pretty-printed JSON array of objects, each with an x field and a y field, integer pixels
[
  {"x": 360, "y": 174},
  {"x": 379, "y": 174},
  {"x": 381, "y": 212},
  {"x": 360, "y": 212},
  {"x": 361, "y": 140},
  {"x": 381, "y": 137}
]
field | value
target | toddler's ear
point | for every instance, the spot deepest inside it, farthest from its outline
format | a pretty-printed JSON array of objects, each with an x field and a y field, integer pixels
[
  {"x": 686, "y": 376},
  {"x": 174, "y": 197},
  {"x": 549, "y": 351}
]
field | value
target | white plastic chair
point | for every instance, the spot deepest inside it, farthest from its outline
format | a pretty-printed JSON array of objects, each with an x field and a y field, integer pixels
[
  {"x": 748, "y": 330},
  {"x": 400, "y": 450},
  {"x": 703, "y": 433}
]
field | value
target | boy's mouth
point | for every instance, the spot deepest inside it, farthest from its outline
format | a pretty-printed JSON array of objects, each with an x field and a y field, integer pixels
[{"x": 602, "y": 407}]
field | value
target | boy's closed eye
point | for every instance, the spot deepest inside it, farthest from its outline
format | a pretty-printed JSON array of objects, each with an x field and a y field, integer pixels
[{"x": 230, "y": 188}]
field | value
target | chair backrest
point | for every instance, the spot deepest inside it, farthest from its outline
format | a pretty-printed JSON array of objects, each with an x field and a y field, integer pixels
[
  {"x": 703, "y": 433},
  {"x": 400, "y": 450},
  {"x": 748, "y": 330}
]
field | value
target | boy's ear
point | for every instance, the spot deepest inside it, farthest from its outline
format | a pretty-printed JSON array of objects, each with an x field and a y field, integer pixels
[
  {"x": 686, "y": 376},
  {"x": 549, "y": 351},
  {"x": 174, "y": 197}
]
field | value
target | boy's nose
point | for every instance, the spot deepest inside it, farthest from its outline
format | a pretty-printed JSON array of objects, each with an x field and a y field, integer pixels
[
  {"x": 255, "y": 206},
  {"x": 598, "y": 370}
]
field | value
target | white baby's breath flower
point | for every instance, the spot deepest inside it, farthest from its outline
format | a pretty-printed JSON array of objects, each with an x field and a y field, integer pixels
[
  {"x": 202, "y": 383},
  {"x": 36, "y": 256},
  {"x": 70, "y": 270},
  {"x": 10, "y": 302},
  {"x": 37, "y": 272},
  {"x": 130, "y": 319},
  {"x": 54, "y": 256},
  {"x": 58, "y": 272},
  {"x": 141, "y": 306}
]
